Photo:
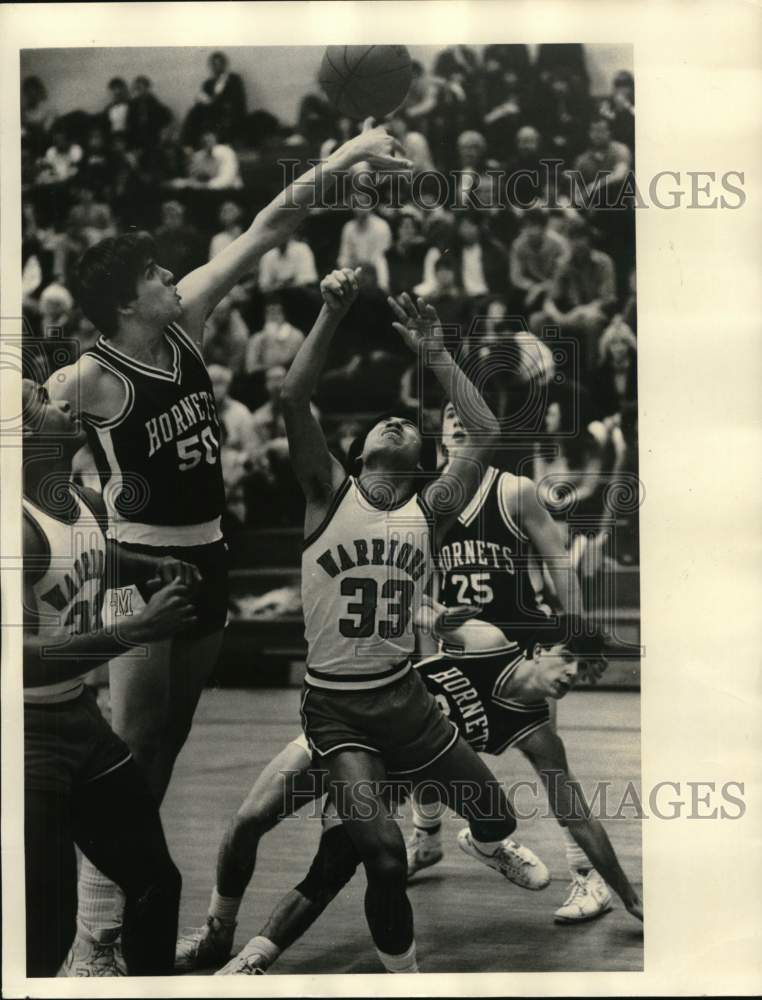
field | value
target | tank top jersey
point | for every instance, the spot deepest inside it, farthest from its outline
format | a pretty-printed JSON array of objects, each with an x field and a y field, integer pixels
[
  {"x": 159, "y": 458},
  {"x": 487, "y": 560},
  {"x": 468, "y": 690},
  {"x": 70, "y": 583},
  {"x": 364, "y": 572}
]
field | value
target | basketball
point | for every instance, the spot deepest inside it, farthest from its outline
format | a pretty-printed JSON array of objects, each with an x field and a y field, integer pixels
[{"x": 362, "y": 80}]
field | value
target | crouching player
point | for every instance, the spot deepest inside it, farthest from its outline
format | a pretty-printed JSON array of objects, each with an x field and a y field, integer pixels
[{"x": 497, "y": 695}]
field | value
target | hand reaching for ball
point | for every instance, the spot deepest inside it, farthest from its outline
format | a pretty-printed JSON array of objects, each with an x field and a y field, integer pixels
[
  {"x": 375, "y": 147},
  {"x": 339, "y": 289}
]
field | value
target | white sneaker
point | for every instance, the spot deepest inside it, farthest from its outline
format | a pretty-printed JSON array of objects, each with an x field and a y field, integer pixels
[
  {"x": 204, "y": 947},
  {"x": 87, "y": 958},
  {"x": 423, "y": 851},
  {"x": 248, "y": 962},
  {"x": 588, "y": 898},
  {"x": 516, "y": 863}
]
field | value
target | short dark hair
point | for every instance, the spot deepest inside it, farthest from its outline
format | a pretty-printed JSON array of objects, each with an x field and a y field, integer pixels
[
  {"x": 428, "y": 456},
  {"x": 106, "y": 277},
  {"x": 445, "y": 263},
  {"x": 116, "y": 81}
]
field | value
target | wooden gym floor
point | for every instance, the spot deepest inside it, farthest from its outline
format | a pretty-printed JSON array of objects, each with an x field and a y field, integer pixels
[{"x": 467, "y": 918}]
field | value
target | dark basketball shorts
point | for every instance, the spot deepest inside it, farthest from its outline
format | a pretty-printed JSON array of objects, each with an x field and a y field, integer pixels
[
  {"x": 211, "y": 598},
  {"x": 401, "y": 722},
  {"x": 69, "y": 743}
]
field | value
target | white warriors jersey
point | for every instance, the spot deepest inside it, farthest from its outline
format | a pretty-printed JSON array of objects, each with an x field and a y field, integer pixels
[
  {"x": 68, "y": 590},
  {"x": 364, "y": 573}
]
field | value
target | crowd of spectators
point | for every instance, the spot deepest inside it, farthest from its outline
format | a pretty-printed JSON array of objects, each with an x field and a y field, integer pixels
[{"x": 499, "y": 272}]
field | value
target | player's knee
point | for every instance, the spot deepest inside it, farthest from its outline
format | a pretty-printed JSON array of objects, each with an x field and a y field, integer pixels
[
  {"x": 252, "y": 821},
  {"x": 333, "y": 867},
  {"x": 387, "y": 865}
]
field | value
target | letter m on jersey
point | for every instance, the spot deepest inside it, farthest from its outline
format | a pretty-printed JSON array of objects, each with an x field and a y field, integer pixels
[{"x": 121, "y": 601}]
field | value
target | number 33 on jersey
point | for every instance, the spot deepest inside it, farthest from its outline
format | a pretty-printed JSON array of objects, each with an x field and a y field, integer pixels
[{"x": 364, "y": 573}]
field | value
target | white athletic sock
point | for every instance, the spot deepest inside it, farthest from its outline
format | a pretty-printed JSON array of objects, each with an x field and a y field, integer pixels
[
  {"x": 265, "y": 947},
  {"x": 428, "y": 818},
  {"x": 100, "y": 906},
  {"x": 575, "y": 856},
  {"x": 224, "y": 908},
  {"x": 406, "y": 962}
]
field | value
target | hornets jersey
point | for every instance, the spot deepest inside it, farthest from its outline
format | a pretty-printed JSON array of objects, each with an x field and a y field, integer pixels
[
  {"x": 487, "y": 559},
  {"x": 159, "y": 458},
  {"x": 364, "y": 572},
  {"x": 68, "y": 583},
  {"x": 470, "y": 692}
]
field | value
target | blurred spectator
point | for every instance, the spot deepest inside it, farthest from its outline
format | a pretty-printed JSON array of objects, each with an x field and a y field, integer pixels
[
  {"x": 613, "y": 388},
  {"x": 342, "y": 129},
  {"x": 237, "y": 445},
  {"x": 513, "y": 58},
  {"x": 97, "y": 165},
  {"x": 317, "y": 121},
  {"x": 404, "y": 260},
  {"x": 214, "y": 165},
  {"x": 446, "y": 294},
  {"x": 502, "y": 106},
  {"x": 482, "y": 260},
  {"x": 291, "y": 264},
  {"x": 146, "y": 116},
  {"x": 365, "y": 239},
  {"x": 562, "y": 116},
  {"x": 179, "y": 245},
  {"x": 474, "y": 185},
  {"x": 630, "y": 309},
  {"x": 118, "y": 108},
  {"x": 226, "y": 336},
  {"x": 56, "y": 307},
  {"x": 606, "y": 163},
  {"x": 415, "y": 144},
  {"x": 128, "y": 184},
  {"x": 276, "y": 343},
  {"x": 567, "y": 59},
  {"x": 61, "y": 160},
  {"x": 582, "y": 294},
  {"x": 535, "y": 257},
  {"x": 230, "y": 220},
  {"x": 220, "y": 105},
  {"x": 37, "y": 254},
  {"x": 619, "y": 109},
  {"x": 37, "y": 116},
  {"x": 268, "y": 423},
  {"x": 84, "y": 333},
  {"x": 93, "y": 219}
]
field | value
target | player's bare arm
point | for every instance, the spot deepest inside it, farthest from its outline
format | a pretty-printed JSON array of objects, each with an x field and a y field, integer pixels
[
  {"x": 420, "y": 327},
  {"x": 203, "y": 288},
  {"x": 545, "y": 750},
  {"x": 89, "y": 389},
  {"x": 320, "y": 474},
  {"x": 53, "y": 654}
]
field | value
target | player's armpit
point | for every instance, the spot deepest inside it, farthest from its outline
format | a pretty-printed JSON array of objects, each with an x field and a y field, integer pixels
[{"x": 89, "y": 389}]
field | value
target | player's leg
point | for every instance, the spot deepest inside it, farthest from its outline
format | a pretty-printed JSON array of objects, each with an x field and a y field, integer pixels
[
  {"x": 355, "y": 782},
  {"x": 139, "y": 683},
  {"x": 332, "y": 868},
  {"x": 51, "y": 880},
  {"x": 468, "y": 787},
  {"x": 116, "y": 824},
  {"x": 284, "y": 785},
  {"x": 424, "y": 845}
]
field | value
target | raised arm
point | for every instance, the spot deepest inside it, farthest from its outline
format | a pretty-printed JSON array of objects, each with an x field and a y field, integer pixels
[
  {"x": 318, "y": 472},
  {"x": 447, "y": 496},
  {"x": 203, "y": 288}
]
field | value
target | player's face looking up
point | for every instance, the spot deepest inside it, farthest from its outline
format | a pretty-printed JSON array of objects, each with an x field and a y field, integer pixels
[
  {"x": 156, "y": 300},
  {"x": 43, "y": 418},
  {"x": 454, "y": 434},
  {"x": 394, "y": 442},
  {"x": 555, "y": 670}
]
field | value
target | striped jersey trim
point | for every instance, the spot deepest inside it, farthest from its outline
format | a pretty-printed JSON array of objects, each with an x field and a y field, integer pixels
[
  {"x": 480, "y": 497},
  {"x": 355, "y": 682},
  {"x": 520, "y": 735},
  {"x": 108, "y": 423},
  {"x": 503, "y": 505},
  {"x": 187, "y": 341},
  {"x": 334, "y": 506},
  {"x": 175, "y": 375}
]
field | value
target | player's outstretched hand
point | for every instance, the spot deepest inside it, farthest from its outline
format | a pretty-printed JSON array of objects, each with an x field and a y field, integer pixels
[
  {"x": 376, "y": 146},
  {"x": 416, "y": 321},
  {"x": 169, "y": 610},
  {"x": 169, "y": 569},
  {"x": 339, "y": 289}
]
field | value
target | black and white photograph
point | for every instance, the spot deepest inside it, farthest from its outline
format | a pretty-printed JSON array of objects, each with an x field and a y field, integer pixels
[{"x": 331, "y": 500}]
